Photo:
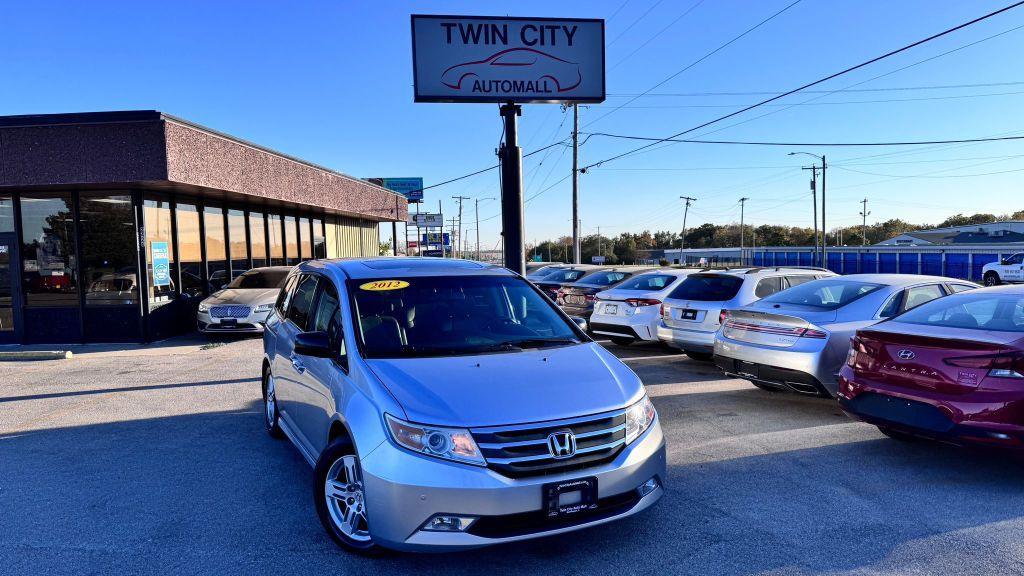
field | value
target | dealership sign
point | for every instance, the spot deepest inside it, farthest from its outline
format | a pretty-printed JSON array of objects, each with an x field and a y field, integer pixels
[
  {"x": 484, "y": 59},
  {"x": 161, "y": 258}
]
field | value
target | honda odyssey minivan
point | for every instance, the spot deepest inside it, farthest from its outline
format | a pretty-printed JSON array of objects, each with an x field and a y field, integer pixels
[{"x": 448, "y": 404}]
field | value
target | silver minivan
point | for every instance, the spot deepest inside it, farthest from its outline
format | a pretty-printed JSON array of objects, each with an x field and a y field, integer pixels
[{"x": 448, "y": 404}]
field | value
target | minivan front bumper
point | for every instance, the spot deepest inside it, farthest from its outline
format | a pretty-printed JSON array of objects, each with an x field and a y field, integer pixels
[{"x": 403, "y": 490}]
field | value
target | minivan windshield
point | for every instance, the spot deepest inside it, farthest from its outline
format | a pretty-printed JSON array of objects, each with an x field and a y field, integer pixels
[
  {"x": 452, "y": 315},
  {"x": 708, "y": 288},
  {"x": 829, "y": 294},
  {"x": 255, "y": 279}
]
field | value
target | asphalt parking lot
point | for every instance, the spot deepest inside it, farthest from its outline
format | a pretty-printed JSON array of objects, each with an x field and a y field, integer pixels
[{"x": 155, "y": 461}]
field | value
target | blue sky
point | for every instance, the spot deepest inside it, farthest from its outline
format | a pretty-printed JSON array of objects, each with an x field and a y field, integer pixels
[{"x": 331, "y": 82}]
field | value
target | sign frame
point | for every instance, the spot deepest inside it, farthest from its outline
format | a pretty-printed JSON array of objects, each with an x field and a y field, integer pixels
[
  {"x": 417, "y": 97},
  {"x": 413, "y": 196}
]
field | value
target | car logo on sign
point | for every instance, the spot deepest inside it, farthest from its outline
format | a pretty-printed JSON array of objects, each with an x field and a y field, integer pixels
[
  {"x": 906, "y": 354},
  {"x": 562, "y": 444}
]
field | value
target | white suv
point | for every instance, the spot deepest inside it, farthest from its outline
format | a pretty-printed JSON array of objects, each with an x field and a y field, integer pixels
[
  {"x": 693, "y": 312},
  {"x": 1007, "y": 270}
]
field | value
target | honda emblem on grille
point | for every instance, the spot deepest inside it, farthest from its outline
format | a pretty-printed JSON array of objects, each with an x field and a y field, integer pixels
[
  {"x": 562, "y": 444},
  {"x": 906, "y": 354}
]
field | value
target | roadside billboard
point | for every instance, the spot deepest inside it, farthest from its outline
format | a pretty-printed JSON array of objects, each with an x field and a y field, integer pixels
[
  {"x": 501, "y": 59},
  {"x": 433, "y": 238},
  {"x": 426, "y": 220},
  {"x": 411, "y": 188}
]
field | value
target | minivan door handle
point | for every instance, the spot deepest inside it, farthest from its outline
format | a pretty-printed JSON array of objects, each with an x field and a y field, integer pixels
[{"x": 297, "y": 364}]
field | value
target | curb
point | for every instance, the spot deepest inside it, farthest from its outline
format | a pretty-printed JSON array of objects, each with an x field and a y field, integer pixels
[{"x": 37, "y": 355}]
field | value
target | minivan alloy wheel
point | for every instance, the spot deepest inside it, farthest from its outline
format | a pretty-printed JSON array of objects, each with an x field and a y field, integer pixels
[
  {"x": 343, "y": 490},
  {"x": 270, "y": 403}
]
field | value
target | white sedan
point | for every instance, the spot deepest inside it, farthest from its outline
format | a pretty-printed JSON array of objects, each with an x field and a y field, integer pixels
[
  {"x": 631, "y": 311},
  {"x": 244, "y": 304}
]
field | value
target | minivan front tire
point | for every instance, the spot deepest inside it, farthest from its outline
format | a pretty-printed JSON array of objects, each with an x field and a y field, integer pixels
[
  {"x": 271, "y": 415},
  {"x": 339, "y": 497}
]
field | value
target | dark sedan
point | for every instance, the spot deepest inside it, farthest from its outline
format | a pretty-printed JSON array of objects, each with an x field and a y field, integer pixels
[
  {"x": 577, "y": 299},
  {"x": 550, "y": 283},
  {"x": 951, "y": 369}
]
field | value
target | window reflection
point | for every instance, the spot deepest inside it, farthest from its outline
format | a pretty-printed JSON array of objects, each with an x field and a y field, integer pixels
[
  {"x": 276, "y": 242},
  {"x": 189, "y": 249},
  {"x": 216, "y": 250},
  {"x": 307, "y": 242},
  {"x": 108, "y": 249},
  {"x": 236, "y": 233},
  {"x": 50, "y": 271},
  {"x": 319, "y": 243},
  {"x": 6, "y": 251},
  {"x": 156, "y": 213},
  {"x": 257, "y": 239},
  {"x": 291, "y": 241}
]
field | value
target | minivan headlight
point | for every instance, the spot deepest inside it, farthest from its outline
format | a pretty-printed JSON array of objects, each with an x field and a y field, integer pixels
[
  {"x": 448, "y": 443},
  {"x": 639, "y": 418}
]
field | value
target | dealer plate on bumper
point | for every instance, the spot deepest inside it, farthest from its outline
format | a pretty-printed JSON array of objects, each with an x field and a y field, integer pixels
[{"x": 569, "y": 497}]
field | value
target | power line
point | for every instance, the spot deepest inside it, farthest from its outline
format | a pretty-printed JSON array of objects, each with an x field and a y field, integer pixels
[
  {"x": 655, "y": 140},
  {"x": 656, "y": 34},
  {"x": 814, "y": 83},
  {"x": 774, "y": 92},
  {"x": 837, "y": 103},
  {"x": 699, "y": 60},
  {"x": 630, "y": 27},
  {"x": 489, "y": 168}
]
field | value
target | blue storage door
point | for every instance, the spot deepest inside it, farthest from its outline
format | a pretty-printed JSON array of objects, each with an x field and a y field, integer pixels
[
  {"x": 908, "y": 263},
  {"x": 806, "y": 259},
  {"x": 758, "y": 259},
  {"x": 850, "y": 263},
  {"x": 868, "y": 263},
  {"x": 835, "y": 262},
  {"x": 979, "y": 262},
  {"x": 958, "y": 266},
  {"x": 931, "y": 264},
  {"x": 887, "y": 263}
]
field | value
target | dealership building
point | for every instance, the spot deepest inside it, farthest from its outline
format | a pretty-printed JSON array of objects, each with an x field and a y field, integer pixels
[{"x": 114, "y": 225}]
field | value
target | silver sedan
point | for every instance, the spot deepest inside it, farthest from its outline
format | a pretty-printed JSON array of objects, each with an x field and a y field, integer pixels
[
  {"x": 244, "y": 304},
  {"x": 798, "y": 339}
]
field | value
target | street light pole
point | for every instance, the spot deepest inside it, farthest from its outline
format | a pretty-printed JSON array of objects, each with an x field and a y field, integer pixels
[
  {"x": 864, "y": 223},
  {"x": 686, "y": 211},
  {"x": 575, "y": 185}
]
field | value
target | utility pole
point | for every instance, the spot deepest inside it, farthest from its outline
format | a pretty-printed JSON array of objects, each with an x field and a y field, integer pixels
[
  {"x": 686, "y": 211},
  {"x": 455, "y": 242},
  {"x": 743, "y": 204},
  {"x": 440, "y": 214},
  {"x": 460, "y": 199},
  {"x": 575, "y": 185},
  {"x": 599, "y": 241},
  {"x": 864, "y": 225},
  {"x": 824, "y": 228},
  {"x": 814, "y": 203}
]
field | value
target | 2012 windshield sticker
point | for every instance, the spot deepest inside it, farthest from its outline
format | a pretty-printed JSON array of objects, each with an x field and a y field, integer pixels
[{"x": 382, "y": 285}]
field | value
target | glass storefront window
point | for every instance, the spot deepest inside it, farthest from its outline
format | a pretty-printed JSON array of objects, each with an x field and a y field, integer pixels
[
  {"x": 48, "y": 260},
  {"x": 216, "y": 250},
  {"x": 7, "y": 239},
  {"x": 319, "y": 243},
  {"x": 307, "y": 242},
  {"x": 276, "y": 242},
  {"x": 236, "y": 234},
  {"x": 156, "y": 214},
  {"x": 291, "y": 241},
  {"x": 189, "y": 249},
  {"x": 257, "y": 239},
  {"x": 109, "y": 256}
]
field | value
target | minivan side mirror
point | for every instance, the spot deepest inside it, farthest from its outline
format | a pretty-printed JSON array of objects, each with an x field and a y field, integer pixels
[
  {"x": 580, "y": 322},
  {"x": 312, "y": 344}
]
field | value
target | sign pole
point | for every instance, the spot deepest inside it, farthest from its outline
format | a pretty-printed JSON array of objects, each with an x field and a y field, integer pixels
[{"x": 512, "y": 191}]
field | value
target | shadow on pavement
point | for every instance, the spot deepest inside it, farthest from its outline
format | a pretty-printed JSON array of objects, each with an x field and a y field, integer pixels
[{"x": 211, "y": 493}]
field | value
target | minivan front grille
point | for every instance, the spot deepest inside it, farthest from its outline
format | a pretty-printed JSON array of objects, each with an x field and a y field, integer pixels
[{"x": 520, "y": 451}]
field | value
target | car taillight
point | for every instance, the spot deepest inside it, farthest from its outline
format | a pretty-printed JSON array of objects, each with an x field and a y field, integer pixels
[
  {"x": 998, "y": 365},
  {"x": 811, "y": 333},
  {"x": 722, "y": 316},
  {"x": 664, "y": 311},
  {"x": 589, "y": 298},
  {"x": 637, "y": 302}
]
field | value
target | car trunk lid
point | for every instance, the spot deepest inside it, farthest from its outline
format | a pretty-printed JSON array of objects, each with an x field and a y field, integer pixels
[
  {"x": 954, "y": 363},
  {"x": 776, "y": 329}
]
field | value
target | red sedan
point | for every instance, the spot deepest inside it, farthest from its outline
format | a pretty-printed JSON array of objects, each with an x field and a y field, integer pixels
[{"x": 951, "y": 369}]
